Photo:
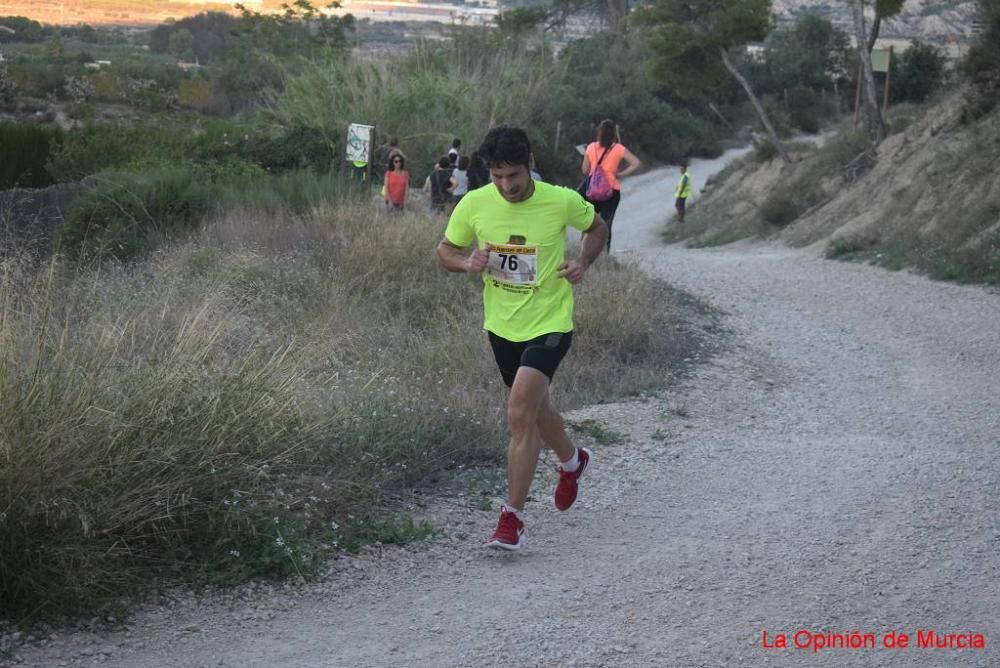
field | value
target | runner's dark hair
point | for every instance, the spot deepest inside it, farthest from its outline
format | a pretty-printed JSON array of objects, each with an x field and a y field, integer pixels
[
  {"x": 606, "y": 133},
  {"x": 506, "y": 145}
]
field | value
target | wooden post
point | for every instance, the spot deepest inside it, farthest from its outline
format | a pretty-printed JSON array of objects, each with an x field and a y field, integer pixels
[
  {"x": 885, "y": 94},
  {"x": 857, "y": 94},
  {"x": 371, "y": 156},
  {"x": 555, "y": 149}
]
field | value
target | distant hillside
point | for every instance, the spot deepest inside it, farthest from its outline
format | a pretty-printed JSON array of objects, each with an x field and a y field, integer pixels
[
  {"x": 924, "y": 204},
  {"x": 121, "y": 12},
  {"x": 929, "y": 19}
]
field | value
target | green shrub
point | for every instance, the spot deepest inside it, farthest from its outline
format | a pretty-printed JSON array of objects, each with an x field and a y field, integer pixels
[
  {"x": 274, "y": 148},
  {"x": 982, "y": 65},
  {"x": 25, "y": 149},
  {"x": 125, "y": 213},
  {"x": 37, "y": 78},
  {"x": 95, "y": 147},
  {"x": 200, "y": 95},
  {"x": 843, "y": 148},
  {"x": 129, "y": 213},
  {"x": 777, "y": 113},
  {"x": 804, "y": 109},
  {"x": 8, "y": 87},
  {"x": 106, "y": 87},
  {"x": 916, "y": 73},
  {"x": 764, "y": 151},
  {"x": 846, "y": 246},
  {"x": 20, "y": 29},
  {"x": 779, "y": 209}
]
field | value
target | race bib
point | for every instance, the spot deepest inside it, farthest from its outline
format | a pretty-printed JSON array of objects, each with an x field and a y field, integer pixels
[{"x": 514, "y": 265}]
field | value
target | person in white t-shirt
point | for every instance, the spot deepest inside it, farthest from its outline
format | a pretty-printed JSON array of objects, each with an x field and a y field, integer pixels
[
  {"x": 459, "y": 182},
  {"x": 454, "y": 152}
]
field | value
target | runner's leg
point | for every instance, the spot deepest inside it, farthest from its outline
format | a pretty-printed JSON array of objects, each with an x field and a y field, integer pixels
[
  {"x": 607, "y": 211},
  {"x": 553, "y": 431},
  {"x": 527, "y": 396}
]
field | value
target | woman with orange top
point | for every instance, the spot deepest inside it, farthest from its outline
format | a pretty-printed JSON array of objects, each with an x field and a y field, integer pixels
[
  {"x": 397, "y": 183},
  {"x": 607, "y": 154}
]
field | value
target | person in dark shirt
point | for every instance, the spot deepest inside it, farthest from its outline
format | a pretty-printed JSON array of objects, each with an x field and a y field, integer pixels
[
  {"x": 479, "y": 173},
  {"x": 438, "y": 185}
]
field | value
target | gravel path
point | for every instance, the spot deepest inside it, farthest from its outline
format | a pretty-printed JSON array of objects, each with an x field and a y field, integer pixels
[{"x": 833, "y": 467}]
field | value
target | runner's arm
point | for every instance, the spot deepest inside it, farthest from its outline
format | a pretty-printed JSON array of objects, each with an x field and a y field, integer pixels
[
  {"x": 453, "y": 258},
  {"x": 594, "y": 240},
  {"x": 633, "y": 163}
]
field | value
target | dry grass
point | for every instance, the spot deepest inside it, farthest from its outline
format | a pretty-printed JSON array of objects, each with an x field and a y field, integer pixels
[{"x": 245, "y": 402}]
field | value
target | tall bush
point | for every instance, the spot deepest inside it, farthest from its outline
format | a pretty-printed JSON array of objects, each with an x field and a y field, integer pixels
[
  {"x": 602, "y": 81},
  {"x": 25, "y": 149},
  {"x": 99, "y": 146},
  {"x": 982, "y": 66},
  {"x": 916, "y": 73},
  {"x": 126, "y": 211},
  {"x": 426, "y": 98}
]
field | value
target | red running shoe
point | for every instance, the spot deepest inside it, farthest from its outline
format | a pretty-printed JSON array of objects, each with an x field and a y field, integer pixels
[
  {"x": 510, "y": 532},
  {"x": 568, "y": 486}
]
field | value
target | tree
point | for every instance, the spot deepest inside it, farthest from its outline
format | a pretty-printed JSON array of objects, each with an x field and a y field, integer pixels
[
  {"x": 813, "y": 53},
  {"x": 692, "y": 39},
  {"x": 20, "y": 29},
  {"x": 7, "y": 86},
  {"x": 181, "y": 43},
  {"x": 916, "y": 73},
  {"x": 982, "y": 65},
  {"x": 301, "y": 29},
  {"x": 520, "y": 21},
  {"x": 874, "y": 122},
  {"x": 617, "y": 15},
  {"x": 883, "y": 9}
]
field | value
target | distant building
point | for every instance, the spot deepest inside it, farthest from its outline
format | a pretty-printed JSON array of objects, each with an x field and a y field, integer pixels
[
  {"x": 756, "y": 52},
  {"x": 378, "y": 10}
]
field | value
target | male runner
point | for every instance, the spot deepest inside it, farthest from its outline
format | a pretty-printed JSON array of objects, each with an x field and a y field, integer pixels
[{"x": 520, "y": 228}]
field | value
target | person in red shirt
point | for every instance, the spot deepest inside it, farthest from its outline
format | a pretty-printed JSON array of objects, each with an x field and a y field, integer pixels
[{"x": 397, "y": 183}]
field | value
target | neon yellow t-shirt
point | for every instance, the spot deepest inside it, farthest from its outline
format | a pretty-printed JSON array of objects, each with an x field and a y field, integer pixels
[{"x": 523, "y": 295}]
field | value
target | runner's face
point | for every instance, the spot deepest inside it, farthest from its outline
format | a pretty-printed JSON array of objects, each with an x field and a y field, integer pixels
[{"x": 513, "y": 181}]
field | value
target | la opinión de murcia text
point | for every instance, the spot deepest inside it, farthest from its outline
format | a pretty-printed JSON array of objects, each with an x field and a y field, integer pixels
[{"x": 922, "y": 639}]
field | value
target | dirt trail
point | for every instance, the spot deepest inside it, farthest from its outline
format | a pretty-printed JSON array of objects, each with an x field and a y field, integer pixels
[{"x": 834, "y": 467}]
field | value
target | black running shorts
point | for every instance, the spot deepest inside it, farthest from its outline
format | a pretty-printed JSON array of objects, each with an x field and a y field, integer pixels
[
  {"x": 543, "y": 353},
  {"x": 679, "y": 203}
]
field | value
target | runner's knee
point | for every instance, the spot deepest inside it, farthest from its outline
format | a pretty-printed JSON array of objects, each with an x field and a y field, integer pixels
[{"x": 521, "y": 416}]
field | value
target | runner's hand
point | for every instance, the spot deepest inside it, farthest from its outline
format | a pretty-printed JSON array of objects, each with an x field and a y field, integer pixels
[
  {"x": 476, "y": 263},
  {"x": 572, "y": 271}
]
